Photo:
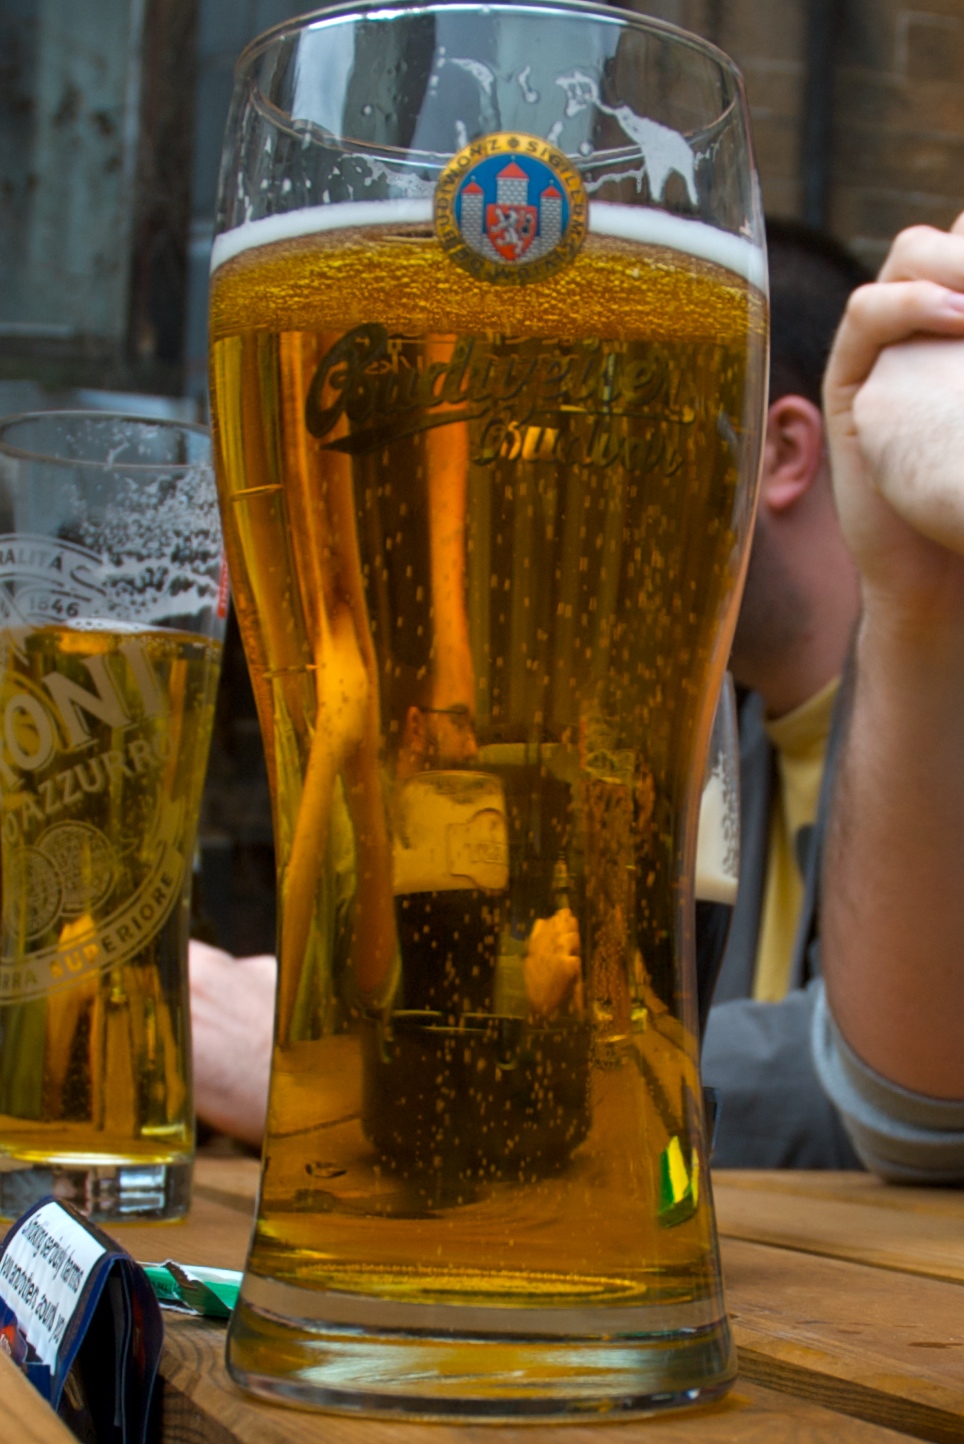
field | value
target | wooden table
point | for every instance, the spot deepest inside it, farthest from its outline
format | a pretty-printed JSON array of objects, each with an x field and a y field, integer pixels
[{"x": 846, "y": 1298}]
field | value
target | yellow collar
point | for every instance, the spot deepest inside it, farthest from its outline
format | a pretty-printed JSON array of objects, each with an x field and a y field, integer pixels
[{"x": 800, "y": 730}]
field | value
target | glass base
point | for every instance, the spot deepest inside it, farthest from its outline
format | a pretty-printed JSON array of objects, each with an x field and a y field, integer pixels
[
  {"x": 104, "y": 1192},
  {"x": 451, "y": 1373}
]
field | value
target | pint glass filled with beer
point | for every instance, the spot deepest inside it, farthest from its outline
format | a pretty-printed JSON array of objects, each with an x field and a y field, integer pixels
[
  {"x": 488, "y": 331},
  {"x": 112, "y": 603}
]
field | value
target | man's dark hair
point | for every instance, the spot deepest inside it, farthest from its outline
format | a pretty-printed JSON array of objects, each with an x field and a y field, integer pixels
[{"x": 811, "y": 277}]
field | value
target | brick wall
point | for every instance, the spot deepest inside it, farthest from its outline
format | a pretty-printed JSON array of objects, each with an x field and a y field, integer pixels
[
  {"x": 897, "y": 155},
  {"x": 899, "y": 132}
]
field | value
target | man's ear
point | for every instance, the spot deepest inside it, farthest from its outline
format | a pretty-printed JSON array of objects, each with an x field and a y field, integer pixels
[{"x": 793, "y": 452}]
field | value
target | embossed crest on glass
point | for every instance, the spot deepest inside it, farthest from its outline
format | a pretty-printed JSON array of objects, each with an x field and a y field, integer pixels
[
  {"x": 488, "y": 327},
  {"x": 112, "y": 604}
]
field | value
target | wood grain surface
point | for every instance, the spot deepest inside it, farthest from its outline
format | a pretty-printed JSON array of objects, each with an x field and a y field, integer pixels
[
  {"x": 25, "y": 1418},
  {"x": 827, "y": 1289},
  {"x": 216, "y": 1233},
  {"x": 845, "y": 1296},
  {"x": 911, "y": 1230},
  {"x": 202, "y": 1406},
  {"x": 885, "y": 1346},
  {"x": 850, "y": 1187},
  {"x": 228, "y": 1179}
]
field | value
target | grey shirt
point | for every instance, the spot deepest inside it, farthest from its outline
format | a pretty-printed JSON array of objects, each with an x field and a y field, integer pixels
[
  {"x": 773, "y": 1111},
  {"x": 905, "y": 1137}
]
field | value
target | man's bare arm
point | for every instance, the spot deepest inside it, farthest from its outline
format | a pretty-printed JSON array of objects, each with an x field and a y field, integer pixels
[
  {"x": 232, "y": 1007},
  {"x": 893, "y": 914}
]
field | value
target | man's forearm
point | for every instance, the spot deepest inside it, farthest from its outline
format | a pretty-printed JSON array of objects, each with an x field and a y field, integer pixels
[{"x": 893, "y": 913}]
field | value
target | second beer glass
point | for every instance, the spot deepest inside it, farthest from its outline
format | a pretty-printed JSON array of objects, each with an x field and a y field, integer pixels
[
  {"x": 113, "y": 594},
  {"x": 488, "y": 351}
]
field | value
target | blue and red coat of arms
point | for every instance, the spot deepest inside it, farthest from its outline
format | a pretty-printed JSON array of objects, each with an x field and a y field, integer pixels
[{"x": 511, "y": 208}]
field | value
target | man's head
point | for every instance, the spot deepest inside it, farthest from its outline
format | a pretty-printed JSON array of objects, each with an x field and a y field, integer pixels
[
  {"x": 800, "y": 600},
  {"x": 431, "y": 724},
  {"x": 437, "y": 737}
]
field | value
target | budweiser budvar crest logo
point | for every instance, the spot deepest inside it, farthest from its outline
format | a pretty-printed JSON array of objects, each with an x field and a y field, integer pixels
[{"x": 511, "y": 209}]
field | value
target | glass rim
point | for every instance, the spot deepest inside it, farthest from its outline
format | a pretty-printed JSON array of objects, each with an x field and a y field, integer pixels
[
  {"x": 396, "y": 9},
  {"x": 147, "y": 468}
]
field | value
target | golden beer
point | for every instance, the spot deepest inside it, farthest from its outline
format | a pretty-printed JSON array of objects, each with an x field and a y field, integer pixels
[
  {"x": 105, "y": 731},
  {"x": 485, "y": 543}
]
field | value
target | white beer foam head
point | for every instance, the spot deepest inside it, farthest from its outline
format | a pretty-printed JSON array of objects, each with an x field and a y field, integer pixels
[{"x": 642, "y": 224}]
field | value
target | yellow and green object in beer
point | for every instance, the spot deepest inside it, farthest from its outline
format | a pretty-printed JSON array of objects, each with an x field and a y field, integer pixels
[{"x": 679, "y": 1184}]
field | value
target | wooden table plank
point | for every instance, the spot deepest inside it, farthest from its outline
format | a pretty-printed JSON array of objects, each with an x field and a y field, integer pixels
[
  {"x": 882, "y": 1344},
  {"x": 26, "y": 1418},
  {"x": 850, "y": 1186},
  {"x": 227, "y": 1180},
  {"x": 867, "y": 1341},
  {"x": 203, "y": 1406},
  {"x": 216, "y": 1233},
  {"x": 836, "y": 1286},
  {"x": 917, "y": 1230}
]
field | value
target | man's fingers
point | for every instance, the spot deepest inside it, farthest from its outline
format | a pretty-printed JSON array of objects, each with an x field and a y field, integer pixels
[
  {"x": 879, "y": 316},
  {"x": 920, "y": 471},
  {"x": 924, "y": 253}
]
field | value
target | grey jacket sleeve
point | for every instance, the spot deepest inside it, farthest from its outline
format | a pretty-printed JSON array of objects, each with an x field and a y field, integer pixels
[
  {"x": 902, "y": 1136},
  {"x": 773, "y": 1111}
]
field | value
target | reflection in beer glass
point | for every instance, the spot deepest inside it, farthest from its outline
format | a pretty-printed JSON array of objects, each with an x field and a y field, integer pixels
[
  {"x": 717, "y": 847},
  {"x": 718, "y": 839}
]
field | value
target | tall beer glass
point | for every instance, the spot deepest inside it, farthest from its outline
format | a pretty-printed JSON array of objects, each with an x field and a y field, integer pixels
[
  {"x": 488, "y": 330},
  {"x": 112, "y": 602}
]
